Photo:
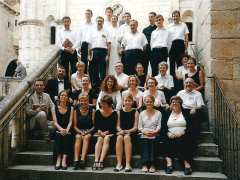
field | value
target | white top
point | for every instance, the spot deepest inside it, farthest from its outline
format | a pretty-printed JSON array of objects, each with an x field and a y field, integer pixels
[
  {"x": 123, "y": 29},
  {"x": 160, "y": 38},
  {"x": 117, "y": 99},
  {"x": 178, "y": 31},
  {"x": 77, "y": 81},
  {"x": 64, "y": 34},
  {"x": 99, "y": 38},
  {"x": 107, "y": 24},
  {"x": 176, "y": 124},
  {"x": 166, "y": 81},
  {"x": 160, "y": 99},
  {"x": 134, "y": 41},
  {"x": 149, "y": 123},
  {"x": 60, "y": 85},
  {"x": 191, "y": 99},
  {"x": 122, "y": 79},
  {"x": 181, "y": 71},
  {"x": 86, "y": 30}
]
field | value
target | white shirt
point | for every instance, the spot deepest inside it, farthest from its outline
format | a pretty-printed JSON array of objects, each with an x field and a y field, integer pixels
[
  {"x": 178, "y": 31},
  {"x": 181, "y": 71},
  {"x": 134, "y": 41},
  {"x": 107, "y": 25},
  {"x": 122, "y": 79},
  {"x": 99, "y": 38},
  {"x": 75, "y": 78},
  {"x": 64, "y": 34},
  {"x": 160, "y": 38},
  {"x": 160, "y": 99},
  {"x": 60, "y": 85},
  {"x": 177, "y": 124},
  {"x": 86, "y": 30},
  {"x": 191, "y": 99},
  {"x": 136, "y": 98},
  {"x": 123, "y": 29},
  {"x": 166, "y": 81}
]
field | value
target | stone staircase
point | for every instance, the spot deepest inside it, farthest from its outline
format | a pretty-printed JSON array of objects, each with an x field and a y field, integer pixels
[{"x": 36, "y": 162}]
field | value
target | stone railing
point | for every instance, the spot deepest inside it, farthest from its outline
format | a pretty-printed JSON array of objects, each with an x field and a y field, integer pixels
[{"x": 12, "y": 111}]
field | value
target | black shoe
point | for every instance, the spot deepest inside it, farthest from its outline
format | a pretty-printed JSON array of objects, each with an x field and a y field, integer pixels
[
  {"x": 75, "y": 165},
  {"x": 82, "y": 164},
  {"x": 101, "y": 166},
  {"x": 188, "y": 171},
  {"x": 95, "y": 166},
  {"x": 64, "y": 167},
  {"x": 57, "y": 167},
  {"x": 169, "y": 170}
]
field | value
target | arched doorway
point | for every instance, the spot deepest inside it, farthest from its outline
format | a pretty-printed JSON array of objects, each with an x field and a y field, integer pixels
[{"x": 11, "y": 68}]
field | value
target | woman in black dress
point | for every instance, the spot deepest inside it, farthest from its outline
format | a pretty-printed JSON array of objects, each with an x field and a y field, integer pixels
[
  {"x": 83, "y": 126},
  {"x": 62, "y": 121},
  {"x": 127, "y": 126},
  {"x": 141, "y": 75},
  {"x": 105, "y": 126}
]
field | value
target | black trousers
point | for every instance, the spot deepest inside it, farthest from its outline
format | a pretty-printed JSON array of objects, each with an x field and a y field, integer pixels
[
  {"x": 148, "y": 151},
  {"x": 158, "y": 55},
  {"x": 97, "y": 68},
  {"x": 67, "y": 58},
  {"x": 147, "y": 58},
  {"x": 84, "y": 55},
  {"x": 131, "y": 58},
  {"x": 175, "y": 55}
]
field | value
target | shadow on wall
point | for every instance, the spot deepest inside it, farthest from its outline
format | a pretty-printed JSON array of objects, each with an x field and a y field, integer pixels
[{"x": 11, "y": 68}]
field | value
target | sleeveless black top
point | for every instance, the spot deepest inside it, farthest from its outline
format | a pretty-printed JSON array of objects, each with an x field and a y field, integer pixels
[
  {"x": 127, "y": 119},
  {"x": 195, "y": 77},
  {"x": 63, "y": 119},
  {"x": 106, "y": 123}
]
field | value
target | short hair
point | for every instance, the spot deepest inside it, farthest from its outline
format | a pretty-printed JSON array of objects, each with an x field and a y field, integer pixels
[
  {"x": 80, "y": 63},
  {"x": 39, "y": 79},
  {"x": 115, "y": 16},
  {"x": 107, "y": 99},
  {"x": 89, "y": 10},
  {"x": 176, "y": 12},
  {"x": 128, "y": 13},
  {"x": 189, "y": 79},
  {"x": 104, "y": 83},
  {"x": 133, "y": 20},
  {"x": 82, "y": 95},
  {"x": 193, "y": 60},
  {"x": 186, "y": 55},
  {"x": 66, "y": 17},
  {"x": 109, "y": 8},
  {"x": 152, "y": 78},
  {"x": 153, "y": 13},
  {"x": 159, "y": 16},
  {"x": 149, "y": 96},
  {"x": 176, "y": 98},
  {"x": 119, "y": 62},
  {"x": 136, "y": 78},
  {"x": 129, "y": 96},
  {"x": 163, "y": 63},
  {"x": 99, "y": 17}
]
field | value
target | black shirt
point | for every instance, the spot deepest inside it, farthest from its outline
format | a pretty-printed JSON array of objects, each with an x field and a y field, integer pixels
[{"x": 148, "y": 31}]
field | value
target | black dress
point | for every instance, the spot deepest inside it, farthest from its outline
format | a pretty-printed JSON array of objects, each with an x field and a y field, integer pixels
[
  {"x": 63, "y": 144},
  {"x": 84, "y": 122},
  {"x": 106, "y": 123},
  {"x": 142, "y": 79},
  {"x": 127, "y": 119}
]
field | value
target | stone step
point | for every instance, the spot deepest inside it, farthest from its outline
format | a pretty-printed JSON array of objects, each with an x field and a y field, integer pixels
[
  {"x": 206, "y": 137},
  {"x": 204, "y": 149},
  {"x": 32, "y": 172},
  {"x": 210, "y": 164}
]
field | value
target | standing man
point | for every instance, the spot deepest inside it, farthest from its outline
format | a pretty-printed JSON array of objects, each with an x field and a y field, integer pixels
[
  {"x": 159, "y": 45},
  {"x": 133, "y": 44},
  {"x": 86, "y": 29},
  {"x": 100, "y": 50},
  {"x": 67, "y": 41},
  {"x": 179, "y": 38},
  {"x": 109, "y": 14},
  {"x": 147, "y": 32}
]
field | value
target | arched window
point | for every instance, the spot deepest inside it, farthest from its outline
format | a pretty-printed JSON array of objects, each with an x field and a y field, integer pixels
[{"x": 52, "y": 35}]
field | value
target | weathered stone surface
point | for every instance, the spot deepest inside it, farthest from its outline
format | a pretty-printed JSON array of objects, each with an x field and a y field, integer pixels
[
  {"x": 218, "y": 5},
  {"x": 223, "y": 69},
  {"x": 236, "y": 68},
  {"x": 231, "y": 88}
]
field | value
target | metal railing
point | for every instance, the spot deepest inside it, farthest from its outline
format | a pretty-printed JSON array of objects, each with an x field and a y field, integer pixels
[
  {"x": 226, "y": 132},
  {"x": 12, "y": 111}
]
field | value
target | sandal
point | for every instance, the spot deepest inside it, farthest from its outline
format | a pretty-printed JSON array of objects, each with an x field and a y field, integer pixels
[
  {"x": 152, "y": 169},
  {"x": 144, "y": 169},
  {"x": 101, "y": 166},
  {"x": 95, "y": 166}
]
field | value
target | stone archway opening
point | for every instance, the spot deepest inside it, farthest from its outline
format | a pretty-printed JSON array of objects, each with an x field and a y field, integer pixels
[{"x": 11, "y": 68}]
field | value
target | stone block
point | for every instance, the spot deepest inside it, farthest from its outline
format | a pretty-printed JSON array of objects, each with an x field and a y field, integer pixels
[
  {"x": 236, "y": 69},
  {"x": 225, "y": 48},
  {"x": 223, "y": 69},
  {"x": 218, "y": 5},
  {"x": 225, "y": 24},
  {"x": 231, "y": 88}
]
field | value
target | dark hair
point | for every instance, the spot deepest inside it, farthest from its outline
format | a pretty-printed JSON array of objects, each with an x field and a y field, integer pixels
[
  {"x": 115, "y": 16},
  {"x": 66, "y": 17},
  {"x": 59, "y": 94},
  {"x": 185, "y": 55},
  {"x": 128, "y": 13},
  {"x": 89, "y": 10},
  {"x": 39, "y": 79},
  {"x": 107, "y": 99},
  {"x": 176, "y": 12},
  {"x": 152, "y": 78},
  {"x": 109, "y": 8},
  {"x": 192, "y": 59},
  {"x": 104, "y": 83},
  {"x": 176, "y": 98},
  {"x": 100, "y": 17},
  {"x": 159, "y": 16},
  {"x": 153, "y": 13}
]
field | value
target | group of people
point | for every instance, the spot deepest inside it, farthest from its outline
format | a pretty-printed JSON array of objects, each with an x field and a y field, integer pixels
[{"x": 126, "y": 105}]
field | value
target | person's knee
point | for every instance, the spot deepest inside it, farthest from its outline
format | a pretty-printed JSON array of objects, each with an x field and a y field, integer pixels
[
  {"x": 42, "y": 115},
  {"x": 119, "y": 138},
  {"x": 78, "y": 137},
  {"x": 106, "y": 139},
  {"x": 127, "y": 138}
]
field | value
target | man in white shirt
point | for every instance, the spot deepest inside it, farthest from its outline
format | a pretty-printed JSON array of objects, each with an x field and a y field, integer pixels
[
  {"x": 67, "y": 41},
  {"x": 85, "y": 33},
  {"x": 109, "y": 14},
  {"x": 121, "y": 77},
  {"x": 134, "y": 44},
  {"x": 159, "y": 45},
  {"x": 179, "y": 41},
  {"x": 100, "y": 47}
]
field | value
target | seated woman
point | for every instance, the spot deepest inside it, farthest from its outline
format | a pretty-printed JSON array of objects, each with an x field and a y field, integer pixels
[
  {"x": 178, "y": 138},
  {"x": 193, "y": 105},
  {"x": 110, "y": 87},
  {"x": 149, "y": 125},
  {"x": 160, "y": 101},
  {"x": 83, "y": 126},
  {"x": 76, "y": 79},
  {"x": 196, "y": 74},
  {"x": 62, "y": 121},
  {"x": 105, "y": 127},
  {"x": 134, "y": 91},
  {"x": 141, "y": 75},
  {"x": 165, "y": 81},
  {"x": 127, "y": 126}
]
